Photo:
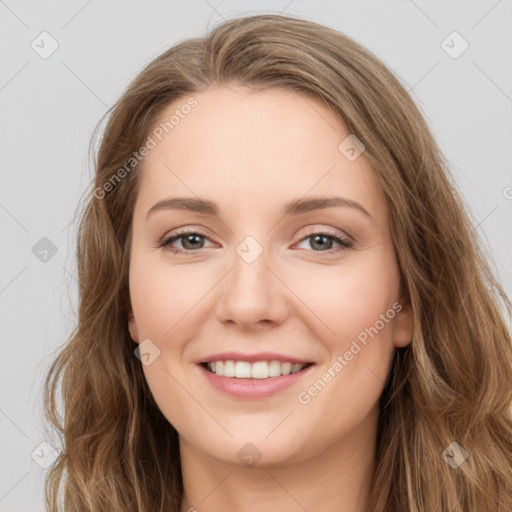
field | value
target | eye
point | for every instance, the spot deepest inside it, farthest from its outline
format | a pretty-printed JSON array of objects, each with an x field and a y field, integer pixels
[
  {"x": 321, "y": 240},
  {"x": 191, "y": 239}
]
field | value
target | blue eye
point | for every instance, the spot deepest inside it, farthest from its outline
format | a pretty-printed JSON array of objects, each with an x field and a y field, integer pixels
[{"x": 194, "y": 238}]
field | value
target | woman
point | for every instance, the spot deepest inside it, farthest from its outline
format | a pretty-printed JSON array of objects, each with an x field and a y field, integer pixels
[{"x": 223, "y": 359}]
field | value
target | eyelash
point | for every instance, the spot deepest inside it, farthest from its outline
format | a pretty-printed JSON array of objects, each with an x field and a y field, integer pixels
[{"x": 166, "y": 243}]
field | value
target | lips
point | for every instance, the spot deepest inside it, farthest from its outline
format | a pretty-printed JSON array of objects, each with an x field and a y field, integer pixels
[
  {"x": 253, "y": 376},
  {"x": 253, "y": 388}
]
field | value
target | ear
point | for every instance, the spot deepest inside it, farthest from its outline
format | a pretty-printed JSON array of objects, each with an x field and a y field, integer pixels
[
  {"x": 132, "y": 326},
  {"x": 404, "y": 321}
]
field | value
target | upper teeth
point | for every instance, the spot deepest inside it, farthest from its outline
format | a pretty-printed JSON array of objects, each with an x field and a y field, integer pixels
[{"x": 258, "y": 370}]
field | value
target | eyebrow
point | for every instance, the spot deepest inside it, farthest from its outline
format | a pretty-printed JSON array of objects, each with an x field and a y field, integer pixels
[{"x": 295, "y": 207}]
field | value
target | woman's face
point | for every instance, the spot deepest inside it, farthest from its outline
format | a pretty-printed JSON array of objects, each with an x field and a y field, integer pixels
[{"x": 262, "y": 278}]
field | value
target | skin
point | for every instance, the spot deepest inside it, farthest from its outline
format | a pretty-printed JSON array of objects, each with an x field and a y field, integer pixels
[{"x": 251, "y": 152}]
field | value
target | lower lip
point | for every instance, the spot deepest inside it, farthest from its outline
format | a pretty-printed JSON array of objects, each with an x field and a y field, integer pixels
[{"x": 253, "y": 388}]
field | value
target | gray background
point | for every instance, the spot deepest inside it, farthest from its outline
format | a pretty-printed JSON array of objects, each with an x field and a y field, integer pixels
[{"x": 50, "y": 106}]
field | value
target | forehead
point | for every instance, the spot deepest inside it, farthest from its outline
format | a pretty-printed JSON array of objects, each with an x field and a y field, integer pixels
[{"x": 248, "y": 147}]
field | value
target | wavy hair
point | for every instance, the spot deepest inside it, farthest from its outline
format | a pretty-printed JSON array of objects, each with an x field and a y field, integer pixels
[{"x": 452, "y": 383}]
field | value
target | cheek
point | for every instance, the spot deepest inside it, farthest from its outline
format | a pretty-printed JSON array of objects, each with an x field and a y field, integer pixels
[
  {"x": 163, "y": 297},
  {"x": 351, "y": 298},
  {"x": 163, "y": 300},
  {"x": 357, "y": 307},
  {"x": 348, "y": 384}
]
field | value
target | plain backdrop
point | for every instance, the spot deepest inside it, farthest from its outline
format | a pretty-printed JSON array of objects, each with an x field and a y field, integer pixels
[{"x": 49, "y": 105}]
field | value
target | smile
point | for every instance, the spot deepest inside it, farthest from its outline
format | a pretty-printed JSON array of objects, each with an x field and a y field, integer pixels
[
  {"x": 257, "y": 370},
  {"x": 261, "y": 379}
]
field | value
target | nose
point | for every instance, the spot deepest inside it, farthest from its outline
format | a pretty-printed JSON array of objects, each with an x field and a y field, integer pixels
[{"x": 252, "y": 294}]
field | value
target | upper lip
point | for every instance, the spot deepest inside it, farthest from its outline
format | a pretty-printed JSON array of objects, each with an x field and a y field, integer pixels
[{"x": 252, "y": 358}]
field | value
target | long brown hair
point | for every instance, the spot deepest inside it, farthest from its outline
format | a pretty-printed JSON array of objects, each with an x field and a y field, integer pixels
[{"x": 452, "y": 384}]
